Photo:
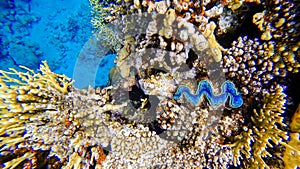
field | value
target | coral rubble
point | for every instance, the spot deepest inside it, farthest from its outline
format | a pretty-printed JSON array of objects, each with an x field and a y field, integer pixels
[{"x": 165, "y": 49}]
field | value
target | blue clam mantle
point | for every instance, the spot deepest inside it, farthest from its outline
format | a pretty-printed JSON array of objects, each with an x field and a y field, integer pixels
[{"x": 205, "y": 88}]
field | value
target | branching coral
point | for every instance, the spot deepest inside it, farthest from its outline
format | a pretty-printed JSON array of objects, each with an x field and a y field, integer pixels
[
  {"x": 31, "y": 94},
  {"x": 248, "y": 62},
  {"x": 266, "y": 132},
  {"x": 25, "y": 101},
  {"x": 34, "y": 117},
  {"x": 137, "y": 122},
  {"x": 291, "y": 156},
  {"x": 104, "y": 33}
]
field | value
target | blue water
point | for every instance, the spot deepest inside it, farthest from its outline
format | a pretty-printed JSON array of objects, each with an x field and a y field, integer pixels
[{"x": 55, "y": 31}]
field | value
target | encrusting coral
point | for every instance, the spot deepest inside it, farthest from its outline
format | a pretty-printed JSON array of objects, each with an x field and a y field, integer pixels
[{"x": 165, "y": 49}]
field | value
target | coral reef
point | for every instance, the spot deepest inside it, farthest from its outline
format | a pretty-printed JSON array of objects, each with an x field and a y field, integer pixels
[
  {"x": 243, "y": 63},
  {"x": 165, "y": 49},
  {"x": 105, "y": 33}
]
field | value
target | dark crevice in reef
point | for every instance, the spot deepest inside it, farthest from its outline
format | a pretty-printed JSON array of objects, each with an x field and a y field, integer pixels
[
  {"x": 246, "y": 26},
  {"x": 42, "y": 160},
  {"x": 53, "y": 163},
  {"x": 136, "y": 95},
  {"x": 192, "y": 56},
  {"x": 155, "y": 126},
  {"x": 293, "y": 93},
  {"x": 154, "y": 71},
  {"x": 277, "y": 159}
]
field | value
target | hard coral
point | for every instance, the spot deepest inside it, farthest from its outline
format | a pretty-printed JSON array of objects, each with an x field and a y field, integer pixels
[
  {"x": 248, "y": 62},
  {"x": 138, "y": 121},
  {"x": 292, "y": 151},
  {"x": 266, "y": 132},
  {"x": 279, "y": 24},
  {"x": 24, "y": 96},
  {"x": 37, "y": 117}
]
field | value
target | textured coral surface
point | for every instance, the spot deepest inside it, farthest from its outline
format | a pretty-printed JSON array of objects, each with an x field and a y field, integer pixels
[{"x": 196, "y": 84}]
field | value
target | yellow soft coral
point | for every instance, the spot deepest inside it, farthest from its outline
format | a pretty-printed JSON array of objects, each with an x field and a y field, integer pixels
[{"x": 28, "y": 93}]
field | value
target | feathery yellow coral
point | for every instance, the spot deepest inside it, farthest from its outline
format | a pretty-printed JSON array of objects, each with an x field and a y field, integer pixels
[
  {"x": 41, "y": 111},
  {"x": 242, "y": 146},
  {"x": 29, "y": 93},
  {"x": 291, "y": 156},
  {"x": 31, "y": 80},
  {"x": 265, "y": 133},
  {"x": 24, "y": 95}
]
